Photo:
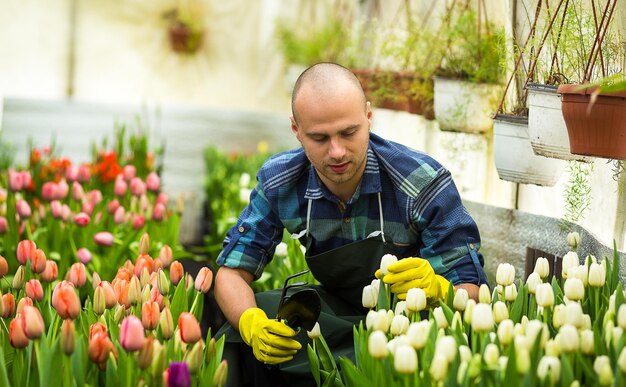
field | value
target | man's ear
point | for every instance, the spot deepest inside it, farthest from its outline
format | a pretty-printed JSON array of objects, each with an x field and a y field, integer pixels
[
  {"x": 368, "y": 112},
  {"x": 294, "y": 128}
]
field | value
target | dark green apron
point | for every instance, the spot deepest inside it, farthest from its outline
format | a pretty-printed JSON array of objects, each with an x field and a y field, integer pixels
[{"x": 342, "y": 273}]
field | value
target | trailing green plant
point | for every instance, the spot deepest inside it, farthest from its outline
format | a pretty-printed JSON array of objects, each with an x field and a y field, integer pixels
[{"x": 577, "y": 191}]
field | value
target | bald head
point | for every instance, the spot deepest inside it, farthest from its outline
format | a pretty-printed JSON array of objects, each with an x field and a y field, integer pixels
[{"x": 327, "y": 80}]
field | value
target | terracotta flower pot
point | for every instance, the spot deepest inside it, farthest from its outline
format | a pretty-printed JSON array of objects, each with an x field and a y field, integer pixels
[{"x": 598, "y": 130}]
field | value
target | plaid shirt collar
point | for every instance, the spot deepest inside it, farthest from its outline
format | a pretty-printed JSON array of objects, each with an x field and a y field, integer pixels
[{"x": 370, "y": 181}]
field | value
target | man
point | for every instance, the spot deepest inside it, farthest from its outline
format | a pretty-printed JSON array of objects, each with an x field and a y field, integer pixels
[{"x": 351, "y": 197}]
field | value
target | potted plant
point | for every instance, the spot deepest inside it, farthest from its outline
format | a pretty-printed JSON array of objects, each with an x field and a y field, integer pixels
[
  {"x": 185, "y": 27},
  {"x": 468, "y": 82}
]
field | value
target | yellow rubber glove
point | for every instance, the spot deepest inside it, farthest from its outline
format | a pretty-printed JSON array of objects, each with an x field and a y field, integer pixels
[
  {"x": 415, "y": 272},
  {"x": 271, "y": 340}
]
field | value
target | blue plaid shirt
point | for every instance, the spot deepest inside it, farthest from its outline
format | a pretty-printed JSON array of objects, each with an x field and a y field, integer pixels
[{"x": 423, "y": 213}]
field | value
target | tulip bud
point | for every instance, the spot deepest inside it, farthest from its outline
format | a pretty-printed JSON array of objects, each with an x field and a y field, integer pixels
[
  {"x": 4, "y": 266},
  {"x": 65, "y": 300},
  {"x": 484, "y": 294},
  {"x": 573, "y": 239},
  {"x": 559, "y": 316},
  {"x": 545, "y": 295},
  {"x": 369, "y": 297},
  {"x": 23, "y": 209},
  {"x": 505, "y": 274},
  {"x": 469, "y": 310},
  {"x": 491, "y": 355},
  {"x": 144, "y": 244},
  {"x": 597, "y": 275},
  {"x": 415, "y": 300},
  {"x": 32, "y": 322},
  {"x": 84, "y": 255},
  {"x": 587, "y": 342},
  {"x": 377, "y": 345},
  {"x": 119, "y": 216},
  {"x": 542, "y": 267},
  {"x": 522, "y": 360},
  {"x": 549, "y": 369},
  {"x": 25, "y": 250},
  {"x": 17, "y": 336},
  {"x": 176, "y": 272},
  {"x": 77, "y": 274},
  {"x": 446, "y": 346},
  {"x": 574, "y": 314},
  {"x": 163, "y": 284},
  {"x": 219, "y": 379},
  {"x": 569, "y": 260},
  {"x": 602, "y": 366},
  {"x": 399, "y": 325},
  {"x": 34, "y": 290},
  {"x": 574, "y": 289},
  {"x": 401, "y": 308},
  {"x": 510, "y": 292},
  {"x": 38, "y": 261},
  {"x": 18, "y": 278},
  {"x": 68, "y": 337},
  {"x": 194, "y": 357},
  {"x": 460, "y": 299},
  {"x": 134, "y": 290},
  {"x": 568, "y": 338},
  {"x": 131, "y": 334},
  {"x": 189, "y": 328},
  {"x": 315, "y": 332},
  {"x": 166, "y": 323},
  {"x": 405, "y": 359},
  {"x": 385, "y": 261},
  {"x": 51, "y": 272},
  {"x": 99, "y": 302},
  {"x": 506, "y": 332},
  {"x": 103, "y": 238},
  {"x": 439, "y": 368},
  {"x": 165, "y": 255},
  {"x": 621, "y": 360},
  {"x": 144, "y": 357},
  {"x": 482, "y": 318},
  {"x": 500, "y": 312},
  {"x": 440, "y": 318},
  {"x": 150, "y": 315},
  {"x": 8, "y": 302},
  {"x": 204, "y": 280}
]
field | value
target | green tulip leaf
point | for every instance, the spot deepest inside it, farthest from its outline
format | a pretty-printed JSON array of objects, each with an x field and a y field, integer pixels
[{"x": 314, "y": 363}]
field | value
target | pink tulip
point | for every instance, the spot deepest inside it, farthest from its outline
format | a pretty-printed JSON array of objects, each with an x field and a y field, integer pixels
[
  {"x": 77, "y": 274},
  {"x": 120, "y": 215},
  {"x": 25, "y": 251},
  {"x": 87, "y": 207},
  {"x": 204, "y": 279},
  {"x": 103, "y": 238},
  {"x": 120, "y": 187},
  {"x": 16, "y": 182},
  {"x": 62, "y": 190},
  {"x": 34, "y": 289},
  {"x": 129, "y": 172},
  {"x": 71, "y": 173},
  {"x": 137, "y": 186},
  {"x": 162, "y": 198},
  {"x": 189, "y": 328},
  {"x": 131, "y": 334},
  {"x": 27, "y": 180},
  {"x": 158, "y": 212},
  {"x": 84, "y": 255},
  {"x": 48, "y": 191},
  {"x": 4, "y": 225},
  {"x": 32, "y": 322},
  {"x": 38, "y": 261},
  {"x": 17, "y": 336},
  {"x": 157, "y": 297},
  {"x": 84, "y": 175},
  {"x": 138, "y": 221},
  {"x": 81, "y": 219},
  {"x": 112, "y": 206},
  {"x": 51, "y": 272},
  {"x": 56, "y": 208},
  {"x": 95, "y": 196},
  {"x": 65, "y": 300},
  {"x": 23, "y": 209},
  {"x": 153, "y": 182},
  {"x": 77, "y": 191},
  {"x": 150, "y": 313},
  {"x": 66, "y": 212},
  {"x": 4, "y": 266},
  {"x": 9, "y": 305}
]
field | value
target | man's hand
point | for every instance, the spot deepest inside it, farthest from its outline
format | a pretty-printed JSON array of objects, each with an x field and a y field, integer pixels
[
  {"x": 411, "y": 273},
  {"x": 271, "y": 341}
]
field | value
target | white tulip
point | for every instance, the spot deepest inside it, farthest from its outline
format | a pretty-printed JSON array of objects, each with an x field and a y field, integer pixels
[
  {"x": 400, "y": 308},
  {"x": 569, "y": 260},
  {"x": 244, "y": 180},
  {"x": 621, "y": 316},
  {"x": 597, "y": 275},
  {"x": 558, "y": 317},
  {"x": 506, "y": 330},
  {"x": 469, "y": 310},
  {"x": 602, "y": 366},
  {"x": 439, "y": 368},
  {"x": 552, "y": 346},
  {"x": 549, "y": 368},
  {"x": 545, "y": 295},
  {"x": 503, "y": 361},
  {"x": 505, "y": 274},
  {"x": 519, "y": 330},
  {"x": 315, "y": 332},
  {"x": 418, "y": 333},
  {"x": 405, "y": 359},
  {"x": 510, "y": 292},
  {"x": 415, "y": 300},
  {"x": 611, "y": 303},
  {"x": 376, "y": 284},
  {"x": 396, "y": 343},
  {"x": 281, "y": 249},
  {"x": 440, "y": 318},
  {"x": 382, "y": 322},
  {"x": 586, "y": 322},
  {"x": 586, "y": 342},
  {"x": 608, "y": 332},
  {"x": 532, "y": 281},
  {"x": 574, "y": 314},
  {"x": 377, "y": 345},
  {"x": 621, "y": 360},
  {"x": 536, "y": 328},
  {"x": 584, "y": 274},
  {"x": 371, "y": 319},
  {"x": 617, "y": 335},
  {"x": 460, "y": 375},
  {"x": 491, "y": 354},
  {"x": 465, "y": 353},
  {"x": 457, "y": 321},
  {"x": 573, "y": 239},
  {"x": 522, "y": 360},
  {"x": 500, "y": 312},
  {"x": 460, "y": 299},
  {"x": 399, "y": 325},
  {"x": 369, "y": 298},
  {"x": 569, "y": 339},
  {"x": 446, "y": 346},
  {"x": 574, "y": 289},
  {"x": 385, "y": 261},
  {"x": 484, "y": 294},
  {"x": 482, "y": 318},
  {"x": 542, "y": 267},
  {"x": 590, "y": 259}
]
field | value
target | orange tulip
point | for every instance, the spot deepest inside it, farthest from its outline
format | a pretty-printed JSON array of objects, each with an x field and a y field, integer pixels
[
  {"x": 32, "y": 322},
  {"x": 65, "y": 300},
  {"x": 150, "y": 315},
  {"x": 204, "y": 280},
  {"x": 34, "y": 290},
  {"x": 165, "y": 255},
  {"x": 25, "y": 250},
  {"x": 68, "y": 337},
  {"x": 100, "y": 347},
  {"x": 9, "y": 305},
  {"x": 17, "y": 337},
  {"x": 38, "y": 261},
  {"x": 189, "y": 328},
  {"x": 4, "y": 266},
  {"x": 143, "y": 261},
  {"x": 144, "y": 358},
  {"x": 176, "y": 272},
  {"x": 110, "y": 300},
  {"x": 77, "y": 274},
  {"x": 51, "y": 272},
  {"x": 95, "y": 328},
  {"x": 24, "y": 301},
  {"x": 131, "y": 334}
]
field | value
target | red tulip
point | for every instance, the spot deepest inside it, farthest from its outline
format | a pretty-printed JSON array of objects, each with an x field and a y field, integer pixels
[
  {"x": 51, "y": 272},
  {"x": 103, "y": 238},
  {"x": 32, "y": 322},
  {"x": 17, "y": 336},
  {"x": 100, "y": 347},
  {"x": 204, "y": 279},
  {"x": 81, "y": 219},
  {"x": 138, "y": 221},
  {"x": 65, "y": 300},
  {"x": 34, "y": 289},
  {"x": 189, "y": 328},
  {"x": 131, "y": 334},
  {"x": 95, "y": 328}
]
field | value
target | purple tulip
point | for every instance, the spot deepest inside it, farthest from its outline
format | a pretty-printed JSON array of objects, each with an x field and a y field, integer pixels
[{"x": 179, "y": 375}]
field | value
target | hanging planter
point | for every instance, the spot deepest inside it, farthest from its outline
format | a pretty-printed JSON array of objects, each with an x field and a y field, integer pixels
[
  {"x": 546, "y": 126},
  {"x": 463, "y": 106},
  {"x": 598, "y": 129},
  {"x": 514, "y": 156}
]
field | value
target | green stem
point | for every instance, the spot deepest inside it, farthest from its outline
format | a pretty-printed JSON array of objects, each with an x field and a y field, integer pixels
[
  {"x": 194, "y": 306},
  {"x": 67, "y": 371},
  {"x": 30, "y": 359}
]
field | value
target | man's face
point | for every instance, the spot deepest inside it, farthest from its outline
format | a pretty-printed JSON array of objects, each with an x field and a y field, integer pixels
[{"x": 334, "y": 132}]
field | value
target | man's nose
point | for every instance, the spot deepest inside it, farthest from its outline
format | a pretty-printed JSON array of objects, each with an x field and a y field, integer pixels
[{"x": 337, "y": 149}]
